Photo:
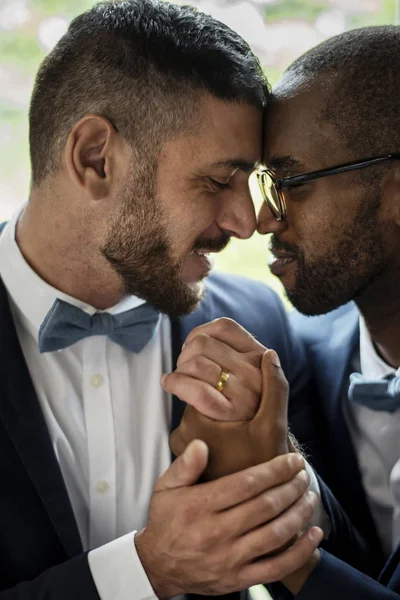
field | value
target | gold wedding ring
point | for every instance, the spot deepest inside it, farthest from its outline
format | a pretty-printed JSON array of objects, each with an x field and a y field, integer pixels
[{"x": 222, "y": 381}]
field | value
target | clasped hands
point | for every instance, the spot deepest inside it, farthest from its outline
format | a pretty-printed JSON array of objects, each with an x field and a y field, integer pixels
[{"x": 245, "y": 424}]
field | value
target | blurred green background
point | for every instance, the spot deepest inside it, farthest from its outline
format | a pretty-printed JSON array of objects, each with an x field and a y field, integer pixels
[{"x": 278, "y": 32}]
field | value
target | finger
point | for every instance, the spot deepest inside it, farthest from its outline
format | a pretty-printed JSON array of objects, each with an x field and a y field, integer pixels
[
  {"x": 219, "y": 352},
  {"x": 205, "y": 345},
  {"x": 243, "y": 395},
  {"x": 275, "y": 393},
  {"x": 278, "y": 567},
  {"x": 186, "y": 469},
  {"x": 202, "y": 396},
  {"x": 267, "y": 505},
  {"x": 228, "y": 331},
  {"x": 272, "y": 536},
  {"x": 232, "y": 490},
  {"x": 177, "y": 443}
]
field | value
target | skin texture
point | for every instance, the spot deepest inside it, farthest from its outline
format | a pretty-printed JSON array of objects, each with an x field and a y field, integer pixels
[
  {"x": 236, "y": 445},
  {"x": 229, "y": 526},
  {"x": 108, "y": 225}
]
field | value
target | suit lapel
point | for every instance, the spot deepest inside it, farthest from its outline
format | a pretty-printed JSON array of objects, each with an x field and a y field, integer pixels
[
  {"x": 332, "y": 359},
  {"x": 22, "y": 417}
]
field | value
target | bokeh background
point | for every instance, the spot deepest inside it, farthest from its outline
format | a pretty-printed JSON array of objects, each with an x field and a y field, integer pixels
[{"x": 278, "y": 32}]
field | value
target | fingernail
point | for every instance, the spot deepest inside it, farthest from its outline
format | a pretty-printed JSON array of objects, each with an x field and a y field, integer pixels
[
  {"x": 274, "y": 358},
  {"x": 304, "y": 475},
  {"x": 316, "y": 534}
]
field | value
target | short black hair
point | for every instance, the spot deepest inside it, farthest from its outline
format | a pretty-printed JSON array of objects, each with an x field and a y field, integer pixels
[
  {"x": 364, "y": 105},
  {"x": 140, "y": 63}
]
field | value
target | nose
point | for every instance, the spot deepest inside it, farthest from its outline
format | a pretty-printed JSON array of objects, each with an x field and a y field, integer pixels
[
  {"x": 238, "y": 216},
  {"x": 267, "y": 222}
]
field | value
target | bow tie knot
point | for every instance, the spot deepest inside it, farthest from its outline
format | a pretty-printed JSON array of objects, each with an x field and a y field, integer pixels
[
  {"x": 102, "y": 324},
  {"x": 67, "y": 324},
  {"x": 376, "y": 394}
]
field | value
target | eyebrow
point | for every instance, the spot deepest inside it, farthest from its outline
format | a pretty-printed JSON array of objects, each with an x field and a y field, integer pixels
[
  {"x": 285, "y": 163},
  {"x": 239, "y": 164}
]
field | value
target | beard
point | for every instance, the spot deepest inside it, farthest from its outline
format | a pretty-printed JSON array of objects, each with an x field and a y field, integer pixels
[
  {"x": 352, "y": 259},
  {"x": 138, "y": 249}
]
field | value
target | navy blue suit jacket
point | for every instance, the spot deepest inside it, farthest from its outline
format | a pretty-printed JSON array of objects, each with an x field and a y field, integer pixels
[
  {"x": 352, "y": 566},
  {"x": 41, "y": 555}
]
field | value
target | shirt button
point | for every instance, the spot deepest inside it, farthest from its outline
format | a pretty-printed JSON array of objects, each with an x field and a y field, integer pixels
[
  {"x": 102, "y": 487},
  {"x": 96, "y": 381}
]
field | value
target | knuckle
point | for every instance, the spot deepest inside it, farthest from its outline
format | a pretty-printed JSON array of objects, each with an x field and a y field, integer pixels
[
  {"x": 200, "y": 342},
  {"x": 197, "y": 364},
  {"x": 249, "y": 482},
  {"x": 224, "y": 324},
  {"x": 276, "y": 536},
  {"x": 271, "y": 503}
]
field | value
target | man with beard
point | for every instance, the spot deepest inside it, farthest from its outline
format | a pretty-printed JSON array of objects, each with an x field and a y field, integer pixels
[
  {"x": 332, "y": 202},
  {"x": 145, "y": 122}
]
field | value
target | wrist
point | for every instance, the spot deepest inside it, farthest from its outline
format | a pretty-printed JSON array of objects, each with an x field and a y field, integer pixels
[{"x": 153, "y": 568}]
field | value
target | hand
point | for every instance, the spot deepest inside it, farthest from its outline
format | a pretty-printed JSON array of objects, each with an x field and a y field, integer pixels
[
  {"x": 236, "y": 445},
  {"x": 223, "y": 343},
  {"x": 212, "y": 538}
]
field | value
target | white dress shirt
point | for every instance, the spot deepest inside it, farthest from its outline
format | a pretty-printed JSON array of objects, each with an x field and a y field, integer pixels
[
  {"x": 108, "y": 420},
  {"x": 376, "y": 438}
]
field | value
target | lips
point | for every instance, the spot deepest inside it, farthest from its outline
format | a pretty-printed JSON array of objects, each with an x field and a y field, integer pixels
[{"x": 280, "y": 261}]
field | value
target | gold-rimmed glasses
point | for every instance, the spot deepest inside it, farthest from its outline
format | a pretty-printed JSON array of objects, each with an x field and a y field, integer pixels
[{"x": 272, "y": 189}]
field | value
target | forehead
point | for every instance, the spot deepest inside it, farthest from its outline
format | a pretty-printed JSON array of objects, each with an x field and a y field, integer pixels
[
  {"x": 225, "y": 131},
  {"x": 296, "y": 125}
]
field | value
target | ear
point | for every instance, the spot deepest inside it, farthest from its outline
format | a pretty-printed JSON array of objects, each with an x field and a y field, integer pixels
[
  {"x": 391, "y": 192},
  {"x": 92, "y": 156}
]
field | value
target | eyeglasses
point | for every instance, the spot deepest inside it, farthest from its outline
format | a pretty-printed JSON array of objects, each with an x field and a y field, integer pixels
[{"x": 263, "y": 180}]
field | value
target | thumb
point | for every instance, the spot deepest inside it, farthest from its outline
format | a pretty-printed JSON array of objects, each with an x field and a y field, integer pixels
[
  {"x": 186, "y": 469},
  {"x": 275, "y": 391}
]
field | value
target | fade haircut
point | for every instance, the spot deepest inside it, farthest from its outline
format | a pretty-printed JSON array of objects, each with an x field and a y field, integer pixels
[
  {"x": 364, "y": 103},
  {"x": 141, "y": 64}
]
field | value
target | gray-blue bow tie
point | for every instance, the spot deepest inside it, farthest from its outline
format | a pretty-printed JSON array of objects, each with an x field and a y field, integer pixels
[
  {"x": 66, "y": 324},
  {"x": 377, "y": 394}
]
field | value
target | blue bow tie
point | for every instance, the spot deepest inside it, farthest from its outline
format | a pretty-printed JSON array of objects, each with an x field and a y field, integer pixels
[
  {"x": 66, "y": 324},
  {"x": 376, "y": 394}
]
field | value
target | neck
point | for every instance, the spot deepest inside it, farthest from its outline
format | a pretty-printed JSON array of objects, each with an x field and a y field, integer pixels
[
  {"x": 380, "y": 307},
  {"x": 61, "y": 247}
]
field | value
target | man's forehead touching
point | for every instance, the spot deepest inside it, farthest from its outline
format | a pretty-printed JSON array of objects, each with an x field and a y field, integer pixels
[
  {"x": 285, "y": 164},
  {"x": 235, "y": 164}
]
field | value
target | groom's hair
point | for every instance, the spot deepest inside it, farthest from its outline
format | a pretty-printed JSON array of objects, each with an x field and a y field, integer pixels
[
  {"x": 364, "y": 106},
  {"x": 142, "y": 64}
]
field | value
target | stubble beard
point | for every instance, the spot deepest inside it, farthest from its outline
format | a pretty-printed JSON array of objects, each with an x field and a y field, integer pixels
[
  {"x": 138, "y": 249},
  {"x": 352, "y": 261}
]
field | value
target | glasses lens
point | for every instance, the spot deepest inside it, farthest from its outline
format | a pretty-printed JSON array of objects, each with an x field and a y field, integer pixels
[{"x": 271, "y": 194}]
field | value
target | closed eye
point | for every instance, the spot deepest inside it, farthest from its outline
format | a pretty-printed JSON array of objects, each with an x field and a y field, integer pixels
[{"x": 220, "y": 185}]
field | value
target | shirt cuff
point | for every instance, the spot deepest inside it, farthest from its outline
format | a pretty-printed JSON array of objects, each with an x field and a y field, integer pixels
[
  {"x": 118, "y": 573},
  {"x": 320, "y": 518}
]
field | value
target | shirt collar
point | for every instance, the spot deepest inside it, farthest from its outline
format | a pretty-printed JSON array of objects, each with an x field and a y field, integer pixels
[
  {"x": 372, "y": 365},
  {"x": 30, "y": 294}
]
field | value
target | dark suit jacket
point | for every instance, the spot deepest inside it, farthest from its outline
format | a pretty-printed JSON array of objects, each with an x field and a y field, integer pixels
[
  {"x": 331, "y": 341},
  {"x": 41, "y": 556}
]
